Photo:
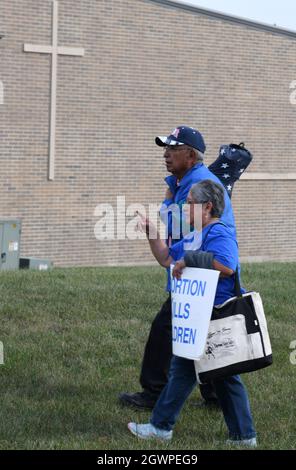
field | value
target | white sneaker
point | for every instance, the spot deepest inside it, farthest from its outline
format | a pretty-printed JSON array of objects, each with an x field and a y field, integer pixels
[
  {"x": 148, "y": 431},
  {"x": 243, "y": 442}
]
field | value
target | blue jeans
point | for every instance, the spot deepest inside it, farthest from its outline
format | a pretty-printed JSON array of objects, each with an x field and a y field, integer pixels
[{"x": 231, "y": 394}]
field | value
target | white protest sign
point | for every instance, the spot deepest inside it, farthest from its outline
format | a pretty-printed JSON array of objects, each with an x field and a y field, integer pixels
[{"x": 192, "y": 304}]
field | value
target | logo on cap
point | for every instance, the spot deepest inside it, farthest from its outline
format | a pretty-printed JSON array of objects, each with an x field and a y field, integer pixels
[{"x": 176, "y": 133}]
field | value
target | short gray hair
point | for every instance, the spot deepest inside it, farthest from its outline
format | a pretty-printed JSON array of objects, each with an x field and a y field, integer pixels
[
  {"x": 198, "y": 154},
  {"x": 209, "y": 191}
]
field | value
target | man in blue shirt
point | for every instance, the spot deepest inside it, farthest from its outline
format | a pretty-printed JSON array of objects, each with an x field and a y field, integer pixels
[{"x": 183, "y": 154}]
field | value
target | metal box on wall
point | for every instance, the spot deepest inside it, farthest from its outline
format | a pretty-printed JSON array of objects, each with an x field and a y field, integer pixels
[
  {"x": 35, "y": 263},
  {"x": 10, "y": 232}
]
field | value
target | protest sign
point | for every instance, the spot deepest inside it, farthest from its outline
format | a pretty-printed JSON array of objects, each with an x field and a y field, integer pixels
[{"x": 192, "y": 303}]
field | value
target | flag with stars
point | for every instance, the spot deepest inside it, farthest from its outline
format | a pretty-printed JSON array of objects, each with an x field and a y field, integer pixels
[{"x": 231, "y": 163}]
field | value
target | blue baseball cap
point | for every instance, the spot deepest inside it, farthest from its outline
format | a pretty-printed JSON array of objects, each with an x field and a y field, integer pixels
[{"x": 183, "y": 135}]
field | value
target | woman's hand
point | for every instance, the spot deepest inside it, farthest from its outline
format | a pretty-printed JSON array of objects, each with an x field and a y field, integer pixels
[
  {"x": 158, "y": 247},
  {"x": 144, "y": 225},
  {"x": 178, "y": 268}
]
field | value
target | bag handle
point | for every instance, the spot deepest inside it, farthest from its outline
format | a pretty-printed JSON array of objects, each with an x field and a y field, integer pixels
[{"x": 237, "y": 286}]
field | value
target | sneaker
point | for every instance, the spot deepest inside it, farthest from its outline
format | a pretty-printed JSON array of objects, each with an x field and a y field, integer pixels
[
  {"x": 243, "y": 442},
  {"x": 148, "y": 431},
  {"x": 142, "y": 400}
]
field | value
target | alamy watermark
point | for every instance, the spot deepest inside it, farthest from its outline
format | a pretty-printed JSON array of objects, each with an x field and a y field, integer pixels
[
  {"x": 121, "y": 222},
  {"x": 293, "y": 353},
  {"x": 1, "y": 93},
  {"x": 1, "y": 353},
  {"x": 293, "y": 94}
]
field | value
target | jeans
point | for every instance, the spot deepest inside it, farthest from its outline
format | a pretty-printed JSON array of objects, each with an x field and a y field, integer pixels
[
  {"x": 231, "y": 393},
  {"x": 158, "y": 355}
]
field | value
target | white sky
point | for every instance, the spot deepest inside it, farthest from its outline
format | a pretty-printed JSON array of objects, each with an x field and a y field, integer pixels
[{"x": 279, "y": 12}]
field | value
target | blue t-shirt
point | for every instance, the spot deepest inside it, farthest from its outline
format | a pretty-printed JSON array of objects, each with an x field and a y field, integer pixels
[
  {"x": 219, "y": 240},
  {"x": 180, "y": 192}
]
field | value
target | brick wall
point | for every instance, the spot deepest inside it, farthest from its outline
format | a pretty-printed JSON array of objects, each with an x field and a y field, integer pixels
[{"x": 147, "y": 68}]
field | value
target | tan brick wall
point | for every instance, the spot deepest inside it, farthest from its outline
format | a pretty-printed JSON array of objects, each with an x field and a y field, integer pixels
[{"x": 147, "y": 68}]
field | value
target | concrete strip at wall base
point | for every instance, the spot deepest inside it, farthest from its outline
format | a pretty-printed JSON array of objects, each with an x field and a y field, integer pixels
[
  {"x": 265, "y": 259},
  {"x": 269, "y": 176},
  {"x": 243, "y": 259},
  {"x": 136, "y": 264}
]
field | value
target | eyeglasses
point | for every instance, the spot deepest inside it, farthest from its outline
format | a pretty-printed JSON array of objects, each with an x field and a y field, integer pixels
[
  {"x": 197, "y": 203},
  {"x": 175, "y": 147}
]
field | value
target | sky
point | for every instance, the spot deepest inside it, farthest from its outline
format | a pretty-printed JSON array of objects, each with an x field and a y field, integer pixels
[{"x": 279, "y": 12}]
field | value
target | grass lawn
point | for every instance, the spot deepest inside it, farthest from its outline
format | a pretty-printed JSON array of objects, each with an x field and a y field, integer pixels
[{"x": 73, "y": 339}]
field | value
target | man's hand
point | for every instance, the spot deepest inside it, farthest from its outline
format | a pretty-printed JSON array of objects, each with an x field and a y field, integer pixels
[{"x": 178, "y": 268}]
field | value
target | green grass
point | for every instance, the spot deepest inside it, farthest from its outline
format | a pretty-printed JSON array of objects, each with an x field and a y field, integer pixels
[{"x": 74, "y": 338}]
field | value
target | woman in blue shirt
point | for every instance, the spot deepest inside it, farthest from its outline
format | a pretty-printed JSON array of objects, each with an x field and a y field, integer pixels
[{"x": 213, "y": 247}]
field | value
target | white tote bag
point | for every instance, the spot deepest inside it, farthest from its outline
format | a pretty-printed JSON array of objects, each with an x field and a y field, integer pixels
[{"x": 237, "y": 341}]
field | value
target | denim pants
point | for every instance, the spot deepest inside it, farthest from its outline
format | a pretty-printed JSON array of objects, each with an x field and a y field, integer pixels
[
  {"x": 230, "y": 391},
  {"x": 158, "y": 355}
]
